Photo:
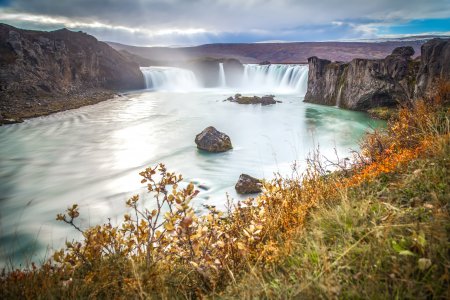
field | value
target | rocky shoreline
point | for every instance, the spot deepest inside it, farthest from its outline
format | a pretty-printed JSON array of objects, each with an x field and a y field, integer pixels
[
  {"x": 46, "y": 72},
  {"x": 15, "y": 111}
]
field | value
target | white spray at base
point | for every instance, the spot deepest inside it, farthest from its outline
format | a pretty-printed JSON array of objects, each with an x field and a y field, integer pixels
[
  {"x": 276, "y": 78},
  {"x": 222, "y": 79},
  {"x": 170, "y": 79},
  {"x": 273, "y": 78}
]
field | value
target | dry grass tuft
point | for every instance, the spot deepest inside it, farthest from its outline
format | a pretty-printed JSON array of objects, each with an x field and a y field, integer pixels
[{"x": 376, "y": 230}]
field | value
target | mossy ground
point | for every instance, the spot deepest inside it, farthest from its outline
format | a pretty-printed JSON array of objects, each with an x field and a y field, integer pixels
[
  {"x": 382, "y": 113},
  {"x": 380, "y": 240}
]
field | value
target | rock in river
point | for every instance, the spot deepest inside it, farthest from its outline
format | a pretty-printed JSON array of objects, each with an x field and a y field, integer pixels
[
  {"x": 248, "y": 185},
  {"x": 264, "y": 100},
  {"x": 212, "y": 140}
]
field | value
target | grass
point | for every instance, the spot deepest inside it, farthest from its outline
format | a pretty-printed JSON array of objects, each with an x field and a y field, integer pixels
[
  {"x": 380, "y": 240},
  {"x": 377, "y": 230},
  {"x": 382, "y": 113}
]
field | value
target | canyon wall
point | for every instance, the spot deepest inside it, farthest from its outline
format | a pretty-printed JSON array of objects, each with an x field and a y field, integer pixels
[
  {"x": 362, "y": 84},
  {"x": 38, "y": 69},
  {"x": 207, "y": 70},
  {"x": 434, "y": 66}
]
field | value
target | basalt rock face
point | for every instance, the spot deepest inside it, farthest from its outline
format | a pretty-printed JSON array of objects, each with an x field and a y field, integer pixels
[
  {"x": 362, "y": 83},
  {"x": 207, "y": 71},
  {"x": 37, "y": 66},
  {"x": 434, "y": 66},
  {"x": 323, "y": 77}
]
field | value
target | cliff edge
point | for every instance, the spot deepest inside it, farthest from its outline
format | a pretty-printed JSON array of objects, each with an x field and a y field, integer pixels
[
  {"x": 45, "y": 72},
  {"x": 367, "y": 83}
]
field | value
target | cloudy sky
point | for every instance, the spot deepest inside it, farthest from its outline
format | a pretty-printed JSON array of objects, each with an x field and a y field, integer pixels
[{"x": 193, "y": 22}]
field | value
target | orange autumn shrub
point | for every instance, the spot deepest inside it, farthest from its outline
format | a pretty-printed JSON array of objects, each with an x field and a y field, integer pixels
[
  {"x": 173, "y": 234},
  {"x": 410, "y": 133},
  {"x": 170, "y": 246}
]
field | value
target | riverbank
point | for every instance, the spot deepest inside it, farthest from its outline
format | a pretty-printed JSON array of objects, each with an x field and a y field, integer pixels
[
  {"x": 375, "y": 230},
  {"x": 43, "y": 72},
  {"x": 14, "y": 110},
  {"x": 385, "y": 238}
]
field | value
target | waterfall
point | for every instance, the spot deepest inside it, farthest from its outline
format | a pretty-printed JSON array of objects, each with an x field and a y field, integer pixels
[
  {"x": 169, "y": 79},
  {"x": 222, "y": 81},
  {"x": 338, "y": 98},
  {"x": 276, "y": 78}
]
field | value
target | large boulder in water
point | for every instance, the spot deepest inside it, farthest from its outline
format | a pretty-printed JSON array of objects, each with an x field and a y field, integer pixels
[
  {"x": 212, "y": 140},
  {"x": 248, "y": 185},
  {"x": 264, "y": 100}
]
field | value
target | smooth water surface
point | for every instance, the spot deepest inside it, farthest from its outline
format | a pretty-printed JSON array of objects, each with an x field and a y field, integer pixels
[{"x": 92, "y": 156}]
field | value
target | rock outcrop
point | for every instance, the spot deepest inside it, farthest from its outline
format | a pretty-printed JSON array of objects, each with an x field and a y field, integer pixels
[
  {"x": 264, "y": 100},
  {"x": 212, "y": 140},
  {"x": 248, "y": 185},
  {"x": 43, "y": 72},
  {"x": 207, "y": 71},
  {"x": 434, "y": 66},
  {"x": 363, "y": 84}
]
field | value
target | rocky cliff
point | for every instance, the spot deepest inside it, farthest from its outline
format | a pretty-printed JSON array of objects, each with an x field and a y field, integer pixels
[
  {"x": 43, "y": 72},
  {"x": 207, "y": 70},
  {"x": 434, "y": 66},
  {"x": 367, "y": 83}
]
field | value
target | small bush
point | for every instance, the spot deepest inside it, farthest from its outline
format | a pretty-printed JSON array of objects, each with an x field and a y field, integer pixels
[{"x": 171, "y": 251}]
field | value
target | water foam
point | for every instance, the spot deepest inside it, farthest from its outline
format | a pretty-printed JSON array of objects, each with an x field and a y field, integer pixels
[
  {"x": 170, "y": 79},
  {"x": 274, "y": 78}
]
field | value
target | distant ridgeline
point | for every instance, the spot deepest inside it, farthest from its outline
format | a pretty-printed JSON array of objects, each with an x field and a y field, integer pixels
[
  {"x": 368, "y": 83},
  {"x": 44, "y": 72}
]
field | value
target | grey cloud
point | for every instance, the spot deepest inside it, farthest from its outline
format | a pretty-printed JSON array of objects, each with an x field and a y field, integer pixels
[
  {"x": 232, "y": 14},
  {"x": 228, "y": 16}
]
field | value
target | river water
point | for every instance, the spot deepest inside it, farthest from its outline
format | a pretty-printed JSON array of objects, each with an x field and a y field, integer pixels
[{"x": 92, "y": 156}]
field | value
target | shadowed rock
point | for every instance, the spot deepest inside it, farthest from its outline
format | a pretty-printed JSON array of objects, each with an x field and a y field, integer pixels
[
  {"x": 363, "y": 84},
  {"x": 212, "y": 140},
  {"x": 264, "y": 100},
  {"x": 434, "y": 66},
  {"x": 248, "y": 185},
  {"x": 404, "y": 51},
  {"x": 44, "y": 72}
]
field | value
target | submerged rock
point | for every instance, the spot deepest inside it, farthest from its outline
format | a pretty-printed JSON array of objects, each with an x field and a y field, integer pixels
[
  {"x": 264, "y": 100},
  {"x": 212, "y": 140},
  {"x": 248, "y": 185}
]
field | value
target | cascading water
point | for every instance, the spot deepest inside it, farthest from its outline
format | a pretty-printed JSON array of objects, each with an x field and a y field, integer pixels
[
  {"x": 276, "y": 78},
  {"x": 170, "y": 79},
  {"x": 338, "y": 99},
  {"x": 222, "y": 80}
]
